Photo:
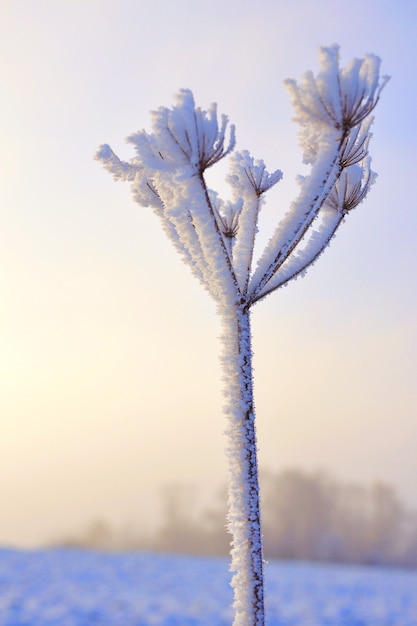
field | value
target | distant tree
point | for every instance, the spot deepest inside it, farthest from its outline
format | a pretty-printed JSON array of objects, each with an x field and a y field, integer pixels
[
  {"x": 351, "y": 516},
  {"x": 186, "y": 528},
  {"x": 306, "y": 516},
  {"x": 299, "y": 515},
  {"x": 386, "y": 517},
  {"x": 98, "y": 535},
  {"x": 216, "y": 239},
  {"x": 179, "y": 532},
  {"x": 408, "y": 544},
  {"x": 314, "y": 517}
]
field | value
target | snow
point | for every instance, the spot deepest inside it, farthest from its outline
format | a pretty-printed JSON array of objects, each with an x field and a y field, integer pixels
[{"x": 83, "y": 588}]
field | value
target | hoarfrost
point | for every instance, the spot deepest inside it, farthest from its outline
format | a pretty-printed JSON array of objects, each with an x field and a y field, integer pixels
[{"x": 216, "y": 239}]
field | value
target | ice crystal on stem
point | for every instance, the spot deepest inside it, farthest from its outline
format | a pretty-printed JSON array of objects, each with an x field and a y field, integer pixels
[{"x": 216, "y": 239}]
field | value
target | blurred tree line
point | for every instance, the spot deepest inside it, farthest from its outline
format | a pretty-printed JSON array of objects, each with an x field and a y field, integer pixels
[{"x": 306, "y": 516}]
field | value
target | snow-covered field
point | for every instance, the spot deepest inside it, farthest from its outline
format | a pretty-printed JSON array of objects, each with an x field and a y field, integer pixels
[{"x": 81, "y": 588}]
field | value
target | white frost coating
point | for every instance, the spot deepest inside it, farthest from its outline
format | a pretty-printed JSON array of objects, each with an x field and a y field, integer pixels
[
  {"x": 350, "y": 190},
  {"x": 181, "y": 226},
  {"x": 333, "y": 111},
  {"x": 340, "y": 98},
  {"x": 292, "y": 228},
  {"x": 166, "y": 174},
  {"x": 216, "y": 239},
  {"x": 227, "y": 215},
  {"x": 249, "y": 179},
  {"x": 243, "y": 518},
  {"x": 352, "y": 187},
  {"x": 180, "y": 230},
  {"x": 195, "y": 201},
  {"x": 355, "y": 145},
  {"x": 297, "y": 263},
  {"x": 139, "y": 177},
  {"x": 184, "y": 135}
]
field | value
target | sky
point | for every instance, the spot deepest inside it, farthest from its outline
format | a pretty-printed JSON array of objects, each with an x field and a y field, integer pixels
[{"x": 110, "y": 381}]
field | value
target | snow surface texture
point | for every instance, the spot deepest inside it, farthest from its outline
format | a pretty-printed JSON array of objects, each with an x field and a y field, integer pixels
[
  {"x": 77, "y": 588},
  {"x": 216, "y": 239}
]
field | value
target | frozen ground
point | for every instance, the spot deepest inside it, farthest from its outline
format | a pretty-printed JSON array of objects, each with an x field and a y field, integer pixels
[{"x": 77, "y": 588}]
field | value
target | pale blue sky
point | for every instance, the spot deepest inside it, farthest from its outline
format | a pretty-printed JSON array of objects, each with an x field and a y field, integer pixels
[{"x": 109, "y": 373}]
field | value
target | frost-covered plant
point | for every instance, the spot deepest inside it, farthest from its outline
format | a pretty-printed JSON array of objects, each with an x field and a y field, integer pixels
[{"x": 216, "y": 239}]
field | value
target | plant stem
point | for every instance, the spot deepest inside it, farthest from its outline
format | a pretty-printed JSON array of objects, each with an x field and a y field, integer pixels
[{"x": 244, "y": 521}]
